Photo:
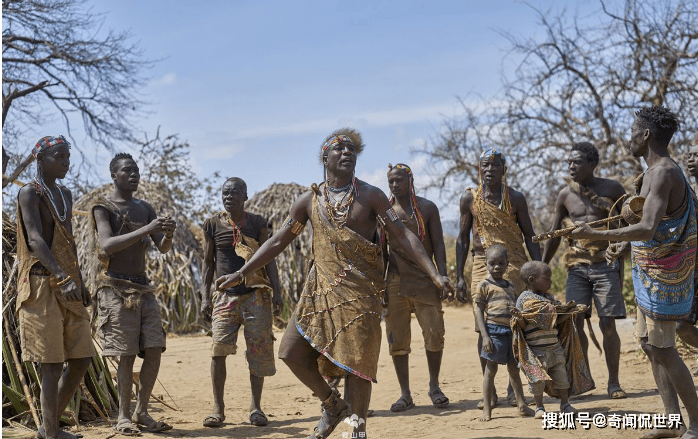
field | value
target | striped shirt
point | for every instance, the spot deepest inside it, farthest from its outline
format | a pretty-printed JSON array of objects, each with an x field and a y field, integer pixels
[
  {"x": 498, "y": 301},
  {"x": 539, "y": 338}
]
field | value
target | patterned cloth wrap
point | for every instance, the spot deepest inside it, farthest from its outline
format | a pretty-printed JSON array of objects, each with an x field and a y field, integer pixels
[
  {"x": 339, "y": 310},
  {"x": 543, "y": 313},
  {"x": 664, "y": 275}
]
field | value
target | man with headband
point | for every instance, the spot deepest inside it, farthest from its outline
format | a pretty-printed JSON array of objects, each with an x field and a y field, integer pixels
[
  {"x": 54, "y": 326},
  {"x": 410, "y": 289},
  {"x": 496, "y": 214},
  {"x": 593, "y": 271},
  {"x": 335, "y": 330}
]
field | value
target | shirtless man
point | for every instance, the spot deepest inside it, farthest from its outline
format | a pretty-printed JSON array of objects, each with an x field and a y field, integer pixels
[
  {"x": 589, "y": 276},
  {"x": 54, "y": 326},
  {"x": 504, "y": 212},
  {"x": 335, "y": 330},
  {"x": 665, "y": 236},
  {"x": 129, "y": 315},
  {"x": 410, "y": 289},
  {"x": 226, "y": 234}
]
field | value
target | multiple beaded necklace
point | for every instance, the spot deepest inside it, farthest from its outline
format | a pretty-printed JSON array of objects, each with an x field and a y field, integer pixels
[
  {"x": 61, "y": 218},
  {"x": 237, "y": 230},
  {"x": 338, "y": 208}
]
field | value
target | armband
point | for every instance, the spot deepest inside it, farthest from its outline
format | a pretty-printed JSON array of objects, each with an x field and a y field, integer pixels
[
  {"x": 390, "y": 215},
  {"x": 64, "y": 281},
  {"x": 296, "y": 227}
]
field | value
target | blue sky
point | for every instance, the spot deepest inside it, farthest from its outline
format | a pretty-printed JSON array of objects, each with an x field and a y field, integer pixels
[{"x": 255, "y": 86}]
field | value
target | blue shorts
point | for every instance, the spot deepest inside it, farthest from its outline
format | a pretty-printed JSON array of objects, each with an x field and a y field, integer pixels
[
  {"x": 502, "y": 352},
  {"x": 600, "y": 283}
]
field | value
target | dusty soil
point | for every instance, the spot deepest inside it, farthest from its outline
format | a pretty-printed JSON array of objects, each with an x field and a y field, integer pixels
[{"x": 293, "y": 411}]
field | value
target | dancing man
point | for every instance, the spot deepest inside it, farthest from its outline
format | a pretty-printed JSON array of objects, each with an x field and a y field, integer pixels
[{"x": 335, "y": 330}]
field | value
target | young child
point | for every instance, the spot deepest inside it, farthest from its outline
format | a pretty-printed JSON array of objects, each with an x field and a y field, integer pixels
[
  {"x": 495, "y": 297},
  {"x": 536, "y": 315}
]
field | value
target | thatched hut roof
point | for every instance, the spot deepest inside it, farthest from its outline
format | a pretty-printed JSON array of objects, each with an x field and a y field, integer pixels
[{"x": 274, "y": 204}]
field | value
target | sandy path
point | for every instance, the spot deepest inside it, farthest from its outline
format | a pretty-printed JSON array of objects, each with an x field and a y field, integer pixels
[{"x": 293, "y": 411}]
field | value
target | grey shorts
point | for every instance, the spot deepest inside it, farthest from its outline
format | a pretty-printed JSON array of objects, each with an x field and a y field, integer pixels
[
  {"x": 600, "y": 282},
  {"x": 128, "y": 331}
]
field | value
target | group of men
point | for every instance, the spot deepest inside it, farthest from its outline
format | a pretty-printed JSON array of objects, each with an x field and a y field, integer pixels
[{"x": 370, "y": 251}]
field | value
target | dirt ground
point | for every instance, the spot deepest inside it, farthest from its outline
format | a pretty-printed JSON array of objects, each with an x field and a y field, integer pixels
[{"x": 293, "y": 411}]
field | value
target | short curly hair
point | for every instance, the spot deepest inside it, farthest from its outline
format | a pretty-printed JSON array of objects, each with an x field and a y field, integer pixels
[
  {"x": 496, "y": 249},
  {"x": 353, "y": 134},
  {"x": 117, "y": 157},
  {"x": 661, "y": 122},
  {"x": 532, "y": 268},
  {"x": 588, "y": 150}
]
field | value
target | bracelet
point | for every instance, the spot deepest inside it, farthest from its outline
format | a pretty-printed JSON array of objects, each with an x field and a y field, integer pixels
[
  {"x": 64, "y": 281},
  {"x": 243, "y": 277}
]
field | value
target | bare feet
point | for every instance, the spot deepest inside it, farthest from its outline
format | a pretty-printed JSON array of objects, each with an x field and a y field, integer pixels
[
  {"x": 657, "y": 433},
  {"x": 486, "y": 414},
  {"x": 525, "y": 411}
]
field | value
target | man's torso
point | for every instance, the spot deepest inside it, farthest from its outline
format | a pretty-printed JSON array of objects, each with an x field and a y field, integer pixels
[{"x": 134, "y": 214}]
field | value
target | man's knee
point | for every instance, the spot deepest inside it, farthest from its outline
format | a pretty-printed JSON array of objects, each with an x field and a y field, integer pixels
[
  {"x": 607, "y": 326},
  {"x": 152, "y": 354}
]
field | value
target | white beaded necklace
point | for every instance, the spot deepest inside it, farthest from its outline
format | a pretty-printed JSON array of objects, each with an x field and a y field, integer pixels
[{"x": 65, "y": 206}]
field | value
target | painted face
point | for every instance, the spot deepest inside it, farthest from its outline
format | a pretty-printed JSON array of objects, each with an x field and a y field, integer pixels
[
  {"x": 341, "y": 157},
  {"x": 234, "y": 195},
  {"x": 638, "y": 140},
  {"x": 496, "y": 263},
  {"x": 492, "y": 170},
  {"x": 692, "y": 160},
  {"x": 127, "y": 175},
  {"x": 55, "y": 161},
  {"x": 579, "y": 167},
  {"x": 543, "y": 281},
  {"x": 398, "y": 182}
]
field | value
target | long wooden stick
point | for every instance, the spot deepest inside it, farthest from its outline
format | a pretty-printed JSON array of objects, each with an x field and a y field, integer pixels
[
  {"x": 568, "y": 230},
  {"x": 22, "y": 380}
]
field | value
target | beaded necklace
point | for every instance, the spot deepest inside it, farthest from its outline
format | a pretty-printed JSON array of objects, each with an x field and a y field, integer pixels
[
  {"x": 65, "y": 206},
  {"x": 237, "y": 230},
  {"x": 339, "y": 211}
]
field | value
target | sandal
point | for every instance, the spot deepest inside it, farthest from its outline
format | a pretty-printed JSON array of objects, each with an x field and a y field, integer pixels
[
  {"x": 214, "y": 421},
  {"x": 126, "y": 428},
  {"x": 258, "y": 418},
  {"x": 62, "y": 434},
  {"x": 402, "y": 404},
  {"x": 329, "y": 421},
  {"x": 438, "y": 399},
  {"x": 150, "y": 425},
  {"x": 540, "y": 412},
  {"x": 615, "y": 392}
]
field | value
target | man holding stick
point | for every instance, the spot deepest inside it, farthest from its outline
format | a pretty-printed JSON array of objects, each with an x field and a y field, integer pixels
[{"x": 663, "y": 257}]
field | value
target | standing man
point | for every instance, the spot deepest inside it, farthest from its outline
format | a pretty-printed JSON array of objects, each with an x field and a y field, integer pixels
[
  {"x": 589, "y": 198},
  {"x": 686, "y": 328},
  {"x": 230, "y": 237},
  {"x": 335, "y": 330},
  {"x": 54, "y": 326},
  {"x": 410, "y": 289},
  {"x": 129, "y": 315},
  {"x": 495, "y": 214},
  {"x": 663, "y": 258}
]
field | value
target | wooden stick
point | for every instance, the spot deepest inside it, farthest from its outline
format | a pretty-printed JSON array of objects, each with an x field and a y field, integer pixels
[
  {"x": 22, "y": 380},
  {"x": 568, "y": 230}
]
